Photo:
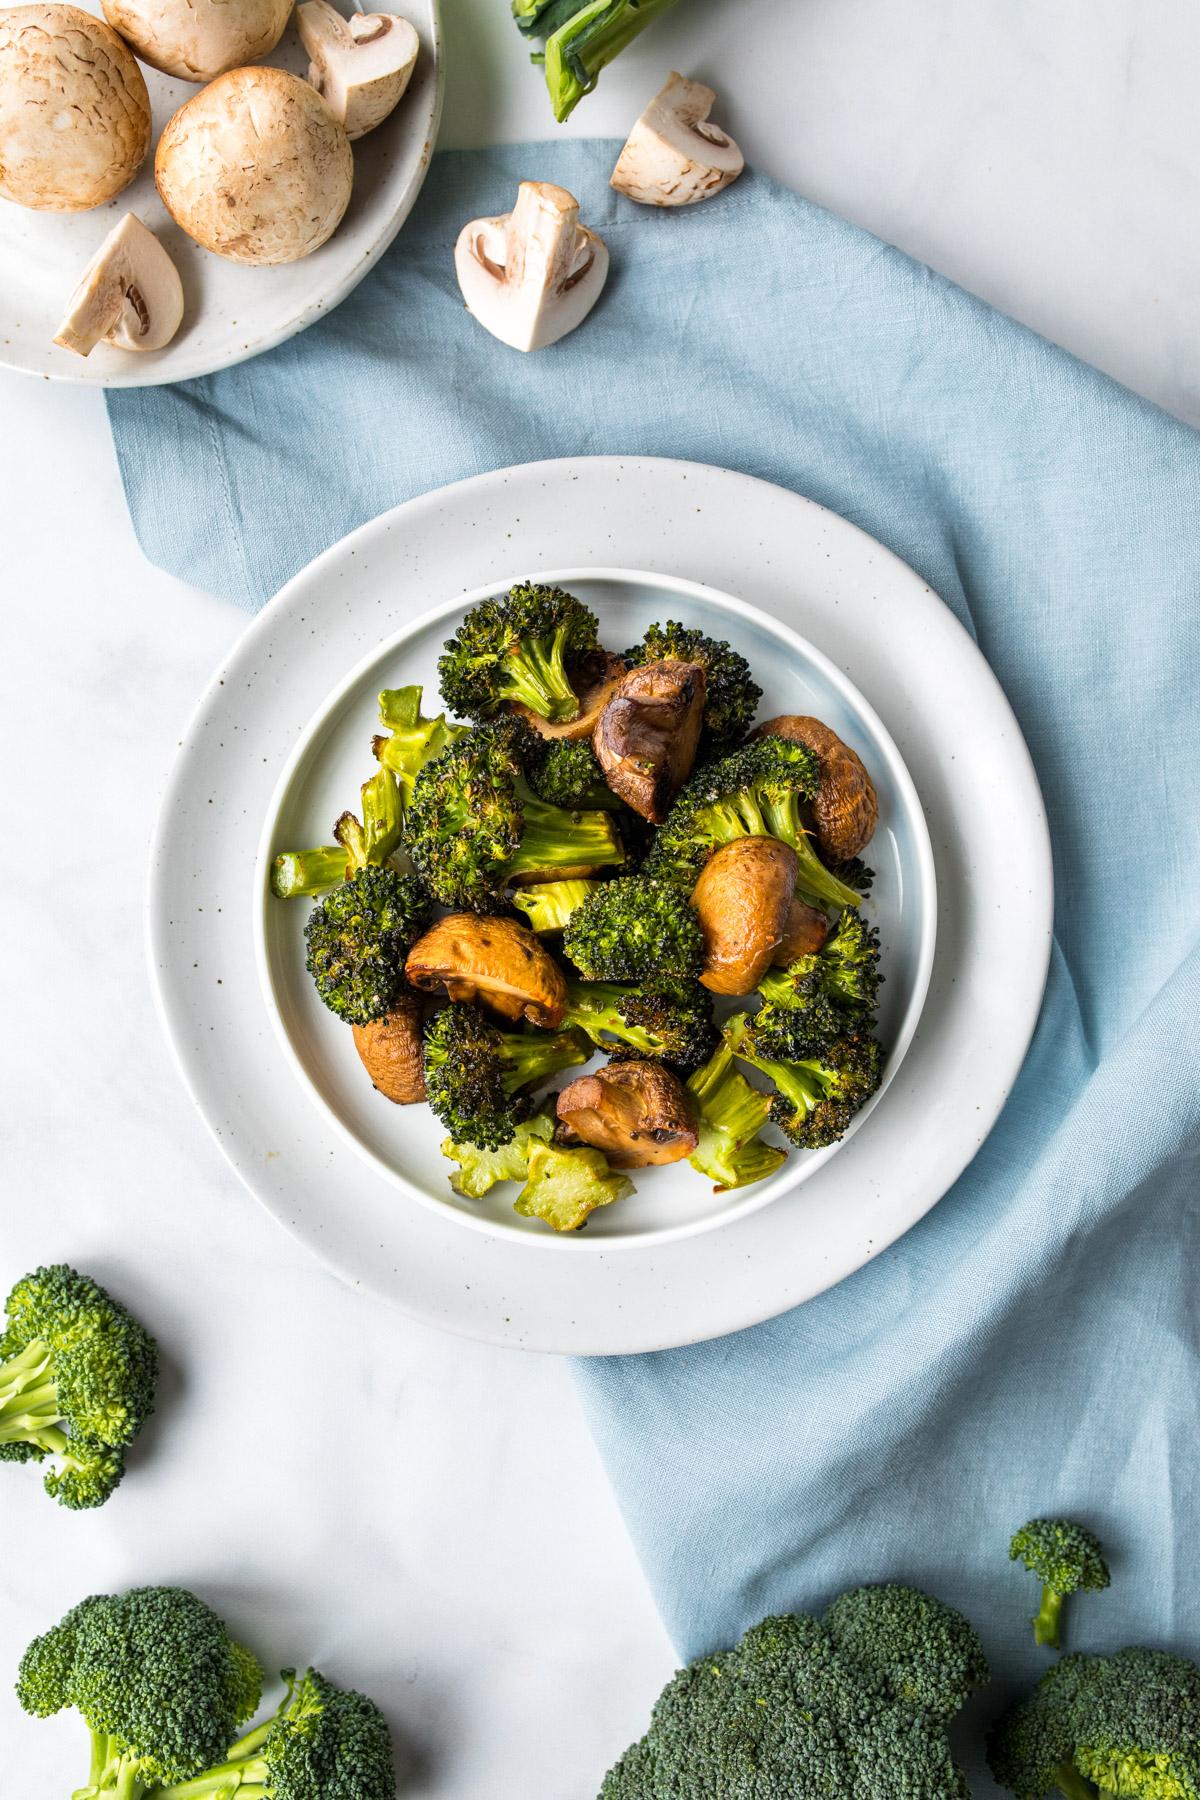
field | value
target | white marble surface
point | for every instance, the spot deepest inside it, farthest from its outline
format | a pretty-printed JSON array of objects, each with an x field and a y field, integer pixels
[{"x": 429, "y": 1517}]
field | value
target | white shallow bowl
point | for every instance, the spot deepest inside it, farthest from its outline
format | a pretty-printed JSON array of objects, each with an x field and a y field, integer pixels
[
  {"x": 333, "y": 757},
  {"x": 230, "y": 312}
]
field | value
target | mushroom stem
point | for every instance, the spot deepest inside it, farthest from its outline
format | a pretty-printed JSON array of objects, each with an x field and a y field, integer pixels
[
  {"x": 675, "y": 156},
  {"x": 129, "y": 295},
  {"x": 531, "y": 275}
]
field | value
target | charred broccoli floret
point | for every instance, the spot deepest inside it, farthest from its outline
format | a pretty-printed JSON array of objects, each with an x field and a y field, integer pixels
[
  {"x": 635, "y": 929},
  {"x": 480, "y": 1170},
  {"x": 673, "y": 1026},
  {"x": 818, "y": 1095},
  {"x": 77, "y": 1376},
  {"x": 567, "y": 774},
  {"x": 731, "y": 695},
  {"x": 832, "y": 990},
  {"x": 358, "y": 938},
  {"x": 1065, "y": 1557},
  {"x": 565, "y": 1187},
  {"x": 549, "y": 904},
  {"x": 731, "y": 1115},
  {"x": 521, "y": 646},
  {"x": 477, "y": 1077},
  {"x": 412, "y": 740}
]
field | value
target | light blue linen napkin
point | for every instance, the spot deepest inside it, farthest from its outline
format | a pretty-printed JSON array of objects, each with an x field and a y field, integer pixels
[{"x": 1034, "y": 1344}]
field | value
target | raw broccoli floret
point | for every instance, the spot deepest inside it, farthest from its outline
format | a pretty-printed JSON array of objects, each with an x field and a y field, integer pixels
[
  {"x": 565, "y": 1187},
  {"x": 477, "y": 1077},
  {"x": 635, "y": 929},
  {"x": 923, "y": 1651},
  {"x": 358, "y": 938},
  {"x": 675, "y": 1026},
  {"x": 757, "y": 791},
  {"x": 480, "y": 1170},
  {"x": 818, "y": 1095},
  {"x": 549, "y": 904},
  {"x": 522, "y": 646},
  {"x": 474, "y": 823},
  {"x": 832, "y": 990},
  {"x": 567, "y": 774},
  {"x": 156, "y": 1677},
  {"x": 731, "y": 693},
  {"x": 1065, "y": 1557},
  {"x": 360, "y": 844},
  {"x": 731, "y": 1115},
  {"x": 322, "y": 1743},
  {"x": 77, "y": 1377},
  {"x": 412, "y": 739}
]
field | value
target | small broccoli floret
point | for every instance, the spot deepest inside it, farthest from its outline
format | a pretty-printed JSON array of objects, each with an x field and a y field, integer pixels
[
  {"x": 156, "y": 1677},
  {"x": 412, "y": 740},
  {"x": 757, "y": 791},
  {"x": 732, "y": 1114},
  {"x": 77, "y": 1377},
  {"x": 818, "y": 1095},
  {"x": 476, "y": 1075},
  {"x": 731, "y": 693},
  {"x": 923, "y": 1651},
  {"x": 835, "y": 989},
  {"x": 674, "y": 1027},
  {"x": 549, "y": 904},
  {"x": 1065, "y": 1558},
  {"x": 358, "y": 938},
  {"x": 480, "y": 1170},
  {"x": 523, "y": 647},
  {"x": 635, "y": 929},
  {"x": 855, "y": 873},
  {"x": 568, "y": 775},
  {"x": 564, "y": 1187}
]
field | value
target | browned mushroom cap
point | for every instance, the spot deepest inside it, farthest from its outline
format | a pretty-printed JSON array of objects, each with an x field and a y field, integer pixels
[
  {"x": 646, "y": 736},
  {"x": 495, "y": 961},
  {"x": 846, "y": 810},
  {"x": 638, "y": 1113},
  {"x": 595, "y": 683},
  {"x": 743, "y": 898},
  {"x": 392, "y": 1051},
  {"x": 804, "y": 932}
]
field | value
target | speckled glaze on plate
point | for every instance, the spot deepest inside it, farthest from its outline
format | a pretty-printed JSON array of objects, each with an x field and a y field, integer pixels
[
  {"x": 231, "y": 312},
  {"x": 875, "y": 620}
]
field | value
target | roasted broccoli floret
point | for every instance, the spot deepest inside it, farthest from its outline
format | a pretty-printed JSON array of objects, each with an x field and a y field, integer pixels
[
  {"x": 812, "y": 1711},
  {"x": 757, "y": 791},
  {"x": 358, "y": 938},
  {"x": 731, "y": 693},
  {"x": 1065, "y": 1558},
  {"x": 77, "y": 1377},
  {"x": 731, "y": 1115},
  {"x": 477, "y": 1076},
  {"x": 567, "y": 774},
  {"x": 675, "y": 1026},
  {"x": 322, "y": 1743},
  {"x": 475, "y": 824},
  {"x": 412, "y": 740},
  {"x": 156, "y": 1677},
  {"x": 480, "y": 1170},
  {"x": 522, "y": 646},
  {"x": 818, "y": 1095},
  {"x": 582, "y": 36},
  {"x": 565, "y": 1187},
  {"x": 369, "y": 842},
  {"x": 549, "y": 904},
  {"x": 635, "y": 929},
  {"x": 832, "y": 990}
]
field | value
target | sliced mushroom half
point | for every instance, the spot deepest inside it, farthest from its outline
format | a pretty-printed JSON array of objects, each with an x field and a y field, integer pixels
[
  {"x": 392, "y": 1051},
  {"x": 531, "y": 275},
  {"x": 595, "y": 685},
  {"x": 846, "y": 809},
  {"x": 360, "y": 66},
  {"x": 645, "y": 739},
  {"x": 495, "y": 961},
  {"x": 638, "y": 1113},
  {"x": 743, "y": 899},
  {"x": 129, "y": 295},
  {"x": 675, "y": 155}
]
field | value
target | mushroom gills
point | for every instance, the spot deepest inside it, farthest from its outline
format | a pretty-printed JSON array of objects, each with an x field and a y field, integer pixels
[
  {"x": 532, "y": 275},
  {"x": 495, "y": 961},
  {"x": 360, "y": 66},
  {"x": 130, "y": 295},
  {"x": 646, "y": 737},
  {"x": 675, "y": 156},
  {"x": 638, "y": 1113}
]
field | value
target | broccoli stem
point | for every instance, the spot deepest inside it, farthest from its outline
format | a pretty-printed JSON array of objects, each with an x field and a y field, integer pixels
[
  {"x": 587, "y": 43},
  {"x": 554, "y": 839},
  {"x": 309, "y": 872},
  {"x": 742, "y": 815},
  {"x": 1047, "y": 1626},
  {"x": 536, "y": 675},
  {"x": 532, "y": 1059},
  {"x": 29, "y": 1408},
  {"x": 1074, "y": 1785}
]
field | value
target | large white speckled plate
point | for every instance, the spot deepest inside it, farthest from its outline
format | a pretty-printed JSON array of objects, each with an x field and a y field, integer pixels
[{"x": 231, "y": 312}]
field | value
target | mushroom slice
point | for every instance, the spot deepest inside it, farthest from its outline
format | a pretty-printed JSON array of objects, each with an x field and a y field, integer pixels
[
  {"x": 638, "y": 1113},
  {"x": 645, "y": 739},
  {"x": 743, "y": 899},
  {"x": 531, "y": 275},
  {"x": 360, "y": 66},
  {"x": 129, "y": 295},
  {"x": 392, "y": 1051},
  {"x": 803, "y": 934},
  {"x": 845, "y": 810},
  {"x": 495, "y": 961},
  {"x": 674, "y": 155},
  {"x": 595, "y": 685}
]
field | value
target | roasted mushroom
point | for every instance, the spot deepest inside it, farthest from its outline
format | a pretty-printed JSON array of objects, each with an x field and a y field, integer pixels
[
  {"x": 845, "y": 811},
  {"x": 744, "y": 898},
  {"x": 638, "y": 1113},
  {"x": 495, "y": 961},
  {"x": 646, "y": 737},
  {"x": 392, "y": 1051},
  {"x": 805, "y": 931},
  {"x": 595, "y": 684}
]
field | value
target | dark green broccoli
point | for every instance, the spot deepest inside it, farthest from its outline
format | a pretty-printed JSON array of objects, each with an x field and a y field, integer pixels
[
  {"x": 480, "y": 1170},
  {"x": 564, "y": 1188},
  {"x": 474, "y": 823},
  {"x": 322, "y": 1743},
  {"x": 583, "y": 36},
  {"x": 855, "y": 873},
  {"x": 157, "y": 1679},
  {"x": 1065, "y": 1558},
  {"x": 675, "y": 1026},
  {"x": 832, "y": 990},
  {"x": 732, "y": 695},
  {"x": 549, "y": 904},
  {"x": 1124, "y": 1727},
  {"x": 77, "y": 1377},
  {"x": 567, "y": 774},
  {"x": 923, "y": 1651},
  {"x": 818, "y": 1095},
  {"x": 731, "y": 1114},
  {"x": 412, "y": 740},
  {"x": 370, "y": 842},
  {"x": 635, "y": 929},
  {"x": 801, "y": 1709},
  {"x": 477, "y": 1077},
  {"x": 358, "y": 938},
  {"x": 522, "y": 646},
  {"x": 757, "y": 791}
]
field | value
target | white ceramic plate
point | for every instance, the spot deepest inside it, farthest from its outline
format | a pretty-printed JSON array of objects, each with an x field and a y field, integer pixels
[
  {"x": 231, "y": 312},
  {"x": 332, "y": 759},
  {"x": 878, "y": 623}
]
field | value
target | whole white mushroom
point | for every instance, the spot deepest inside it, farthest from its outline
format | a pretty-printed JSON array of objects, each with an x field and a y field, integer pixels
[
  {"x": 74, "y": 111},
  {"x": 199, "y": 39},
  {"x": 255, "y": 167}
]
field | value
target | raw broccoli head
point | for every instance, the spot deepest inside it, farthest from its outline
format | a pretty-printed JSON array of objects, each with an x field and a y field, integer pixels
[
  {"x": 731, "y": 693},
  {"x": 522, "y": 646},
  {"x": 358, "y": 938},
  {"x": 477, "y": 1076},
  {"x": 1065, "y": 1557},
  {"x": 635, "y": 929},
  {"x": 567, "y": 774},
  {"x": 673, "y": 1026},
  {"x": 77, "y": 1376},
  {"x": 817, "y": 1095},
  {"x": 731, "y": 1114},
  {"x": 480, "y": 1170},
  {"x": 923, "y": 1651},
  {"x": 564, "y": 1188},
  {"x": 834, "y": 989},
  {"x": 157, "y": 1678}
]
